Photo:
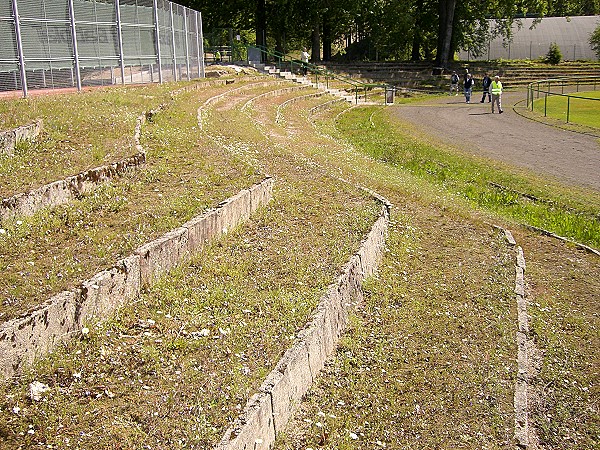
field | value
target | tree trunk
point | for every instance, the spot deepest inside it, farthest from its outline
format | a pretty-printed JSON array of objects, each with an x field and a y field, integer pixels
[
  {"x": 326, "y": 39},
  {"x": 316, "y": 40},
  {"x": 417, "y": 39},
  {"x": 261, "y": 23},
  {"x": 446, "y": 20}
]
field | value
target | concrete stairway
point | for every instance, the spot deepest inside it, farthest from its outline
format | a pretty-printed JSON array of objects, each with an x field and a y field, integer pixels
[{"x": 272, "y": 70}]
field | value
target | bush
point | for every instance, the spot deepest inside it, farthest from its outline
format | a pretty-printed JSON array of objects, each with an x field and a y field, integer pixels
[
  {"x": 595, "y": 40},
  {"x": 554, "y": 55}
]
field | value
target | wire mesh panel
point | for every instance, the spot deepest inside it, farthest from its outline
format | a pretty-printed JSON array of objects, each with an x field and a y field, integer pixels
[
  {"x": 60, "y": 43},
  {"x": 180, "y": 41},
  {"x": 532, "y": 40},
  {"x": 167, "y": 43},
  {"x": 193, "y": 43},
  {"x": 9, "y": 58}
]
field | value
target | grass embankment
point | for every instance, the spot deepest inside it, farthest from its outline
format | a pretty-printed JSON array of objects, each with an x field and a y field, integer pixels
[
  {"x": 582, "y": 108},
  {"x": 174, "y": 368},
  {"x": 55, "y": 249},
  {"x": 430, "y": 360},
  {"x": 530, "y": 201}
]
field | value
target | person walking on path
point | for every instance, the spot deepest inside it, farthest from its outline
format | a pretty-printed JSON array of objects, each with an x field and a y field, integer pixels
[
  {"x": 469, "y": 82},
  {"x": 304, "y": 57},
  {"x": 454, "y": 83},
  {"x": 497, "y": 94},
  {"x": 486, "y": 83}
]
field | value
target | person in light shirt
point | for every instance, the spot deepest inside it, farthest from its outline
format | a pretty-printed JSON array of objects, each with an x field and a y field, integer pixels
[{"x": 497, "y": 94}]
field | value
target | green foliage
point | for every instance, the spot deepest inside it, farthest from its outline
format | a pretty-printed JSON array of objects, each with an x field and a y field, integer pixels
[
  {"x": 595, "y": 40},
  {"x": 554, "y": 54}
]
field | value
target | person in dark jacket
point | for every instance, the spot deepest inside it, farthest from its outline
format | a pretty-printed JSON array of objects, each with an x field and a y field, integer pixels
[
  {"x": 469, "y": 83},
  {"x": 454, "y": 83},
  {"x": 486, "y": 83}
]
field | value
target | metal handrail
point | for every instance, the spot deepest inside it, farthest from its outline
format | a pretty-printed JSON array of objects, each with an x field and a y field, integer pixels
[
  {"x": 534, "y": 88},
  {"x": 320, "y": 71}
]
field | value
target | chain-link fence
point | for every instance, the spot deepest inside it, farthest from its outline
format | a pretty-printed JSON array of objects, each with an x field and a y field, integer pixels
[
  {"x": 532, "y": 40},
  {"x": 49, "y": 44}
]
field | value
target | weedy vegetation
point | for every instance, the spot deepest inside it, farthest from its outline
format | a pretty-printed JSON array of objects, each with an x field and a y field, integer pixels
[{"x": 429, "y": 359}]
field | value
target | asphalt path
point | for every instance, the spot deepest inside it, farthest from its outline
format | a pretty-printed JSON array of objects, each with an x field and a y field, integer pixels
[{"x": 569, "y": 157}]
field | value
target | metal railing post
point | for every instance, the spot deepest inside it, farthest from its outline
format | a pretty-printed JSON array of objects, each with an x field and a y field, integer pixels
[
  {"x": 200, "y": 39},
  {"x": 120, "y": 38},
  {"x": 568, "y": 107},
  {"x": 157, "y": 35},
  {"x": 187, "y": 50},
  {"x": 20, "y": 47},
  {"x": 173, "y": 42},
  {"x": 75, "y": 50},
  {"x": 545, "y": 104}
]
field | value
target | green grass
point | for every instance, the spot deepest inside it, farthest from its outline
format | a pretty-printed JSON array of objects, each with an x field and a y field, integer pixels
[
  {"x": 582, "y": 111},
  {"x": 561, "y": 211},
  {"x": 429, "y": 358},
  {"x": 55, "y": 249}
]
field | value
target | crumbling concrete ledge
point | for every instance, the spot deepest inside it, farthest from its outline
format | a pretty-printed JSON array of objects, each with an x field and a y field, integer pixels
[
  {"x": 34, "y": 334},
  {"x": 525, "y": 434},
  {"x": 63, "y": 191},
  {"x": 267, "y": 412},
  {"x": 279, "y": 113},
  {"x": 10, "y": 138}
]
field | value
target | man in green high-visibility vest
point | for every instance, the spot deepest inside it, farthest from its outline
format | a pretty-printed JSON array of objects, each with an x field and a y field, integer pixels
[{"x": 497, "y": 94}]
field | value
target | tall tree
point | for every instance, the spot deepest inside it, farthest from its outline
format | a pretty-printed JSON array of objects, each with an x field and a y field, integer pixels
[
  {"x": 446, "y": 23},
  {"x": 261, "y": 22}
]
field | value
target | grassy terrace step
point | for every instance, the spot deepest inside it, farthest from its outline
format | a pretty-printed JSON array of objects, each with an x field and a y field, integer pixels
[
  {"x": 435, "y": 334},
  {"x": 216, "y": 325},
  {"x": 423, "y": 367},
  {"x": 55, "y": 250},
  {"x": 426, "y": 363},
  {"x": 80, "y": 132}
]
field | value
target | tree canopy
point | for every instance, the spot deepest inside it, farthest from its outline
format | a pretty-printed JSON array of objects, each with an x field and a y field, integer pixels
[{"x": 379, "y": 29}]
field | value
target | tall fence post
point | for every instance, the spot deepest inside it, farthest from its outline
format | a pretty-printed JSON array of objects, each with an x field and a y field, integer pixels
[
  {"x": 120, "y": 38},
  {"x": 20, "y": 47},
  {"x": 75, "y": 50},
  {"x": 200, "y": 42},
  {"x": 157, "y": 34},
  {"x": 187, "y": 50},
  {"x": 173, "y": 42}
]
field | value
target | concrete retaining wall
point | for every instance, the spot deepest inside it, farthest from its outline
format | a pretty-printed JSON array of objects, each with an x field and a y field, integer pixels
[
  {"x": 279, "y": 114},
  {"x": 34, "y": 334},
  {"x": 9, "y": 139},
  {"x": 268, "y": 411},
  {"x": 63, "y": 191},
  {"x": 202, "y": 110}
]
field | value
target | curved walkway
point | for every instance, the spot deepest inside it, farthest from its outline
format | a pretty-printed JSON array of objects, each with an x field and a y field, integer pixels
[{"x": 570, "y": 157}]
